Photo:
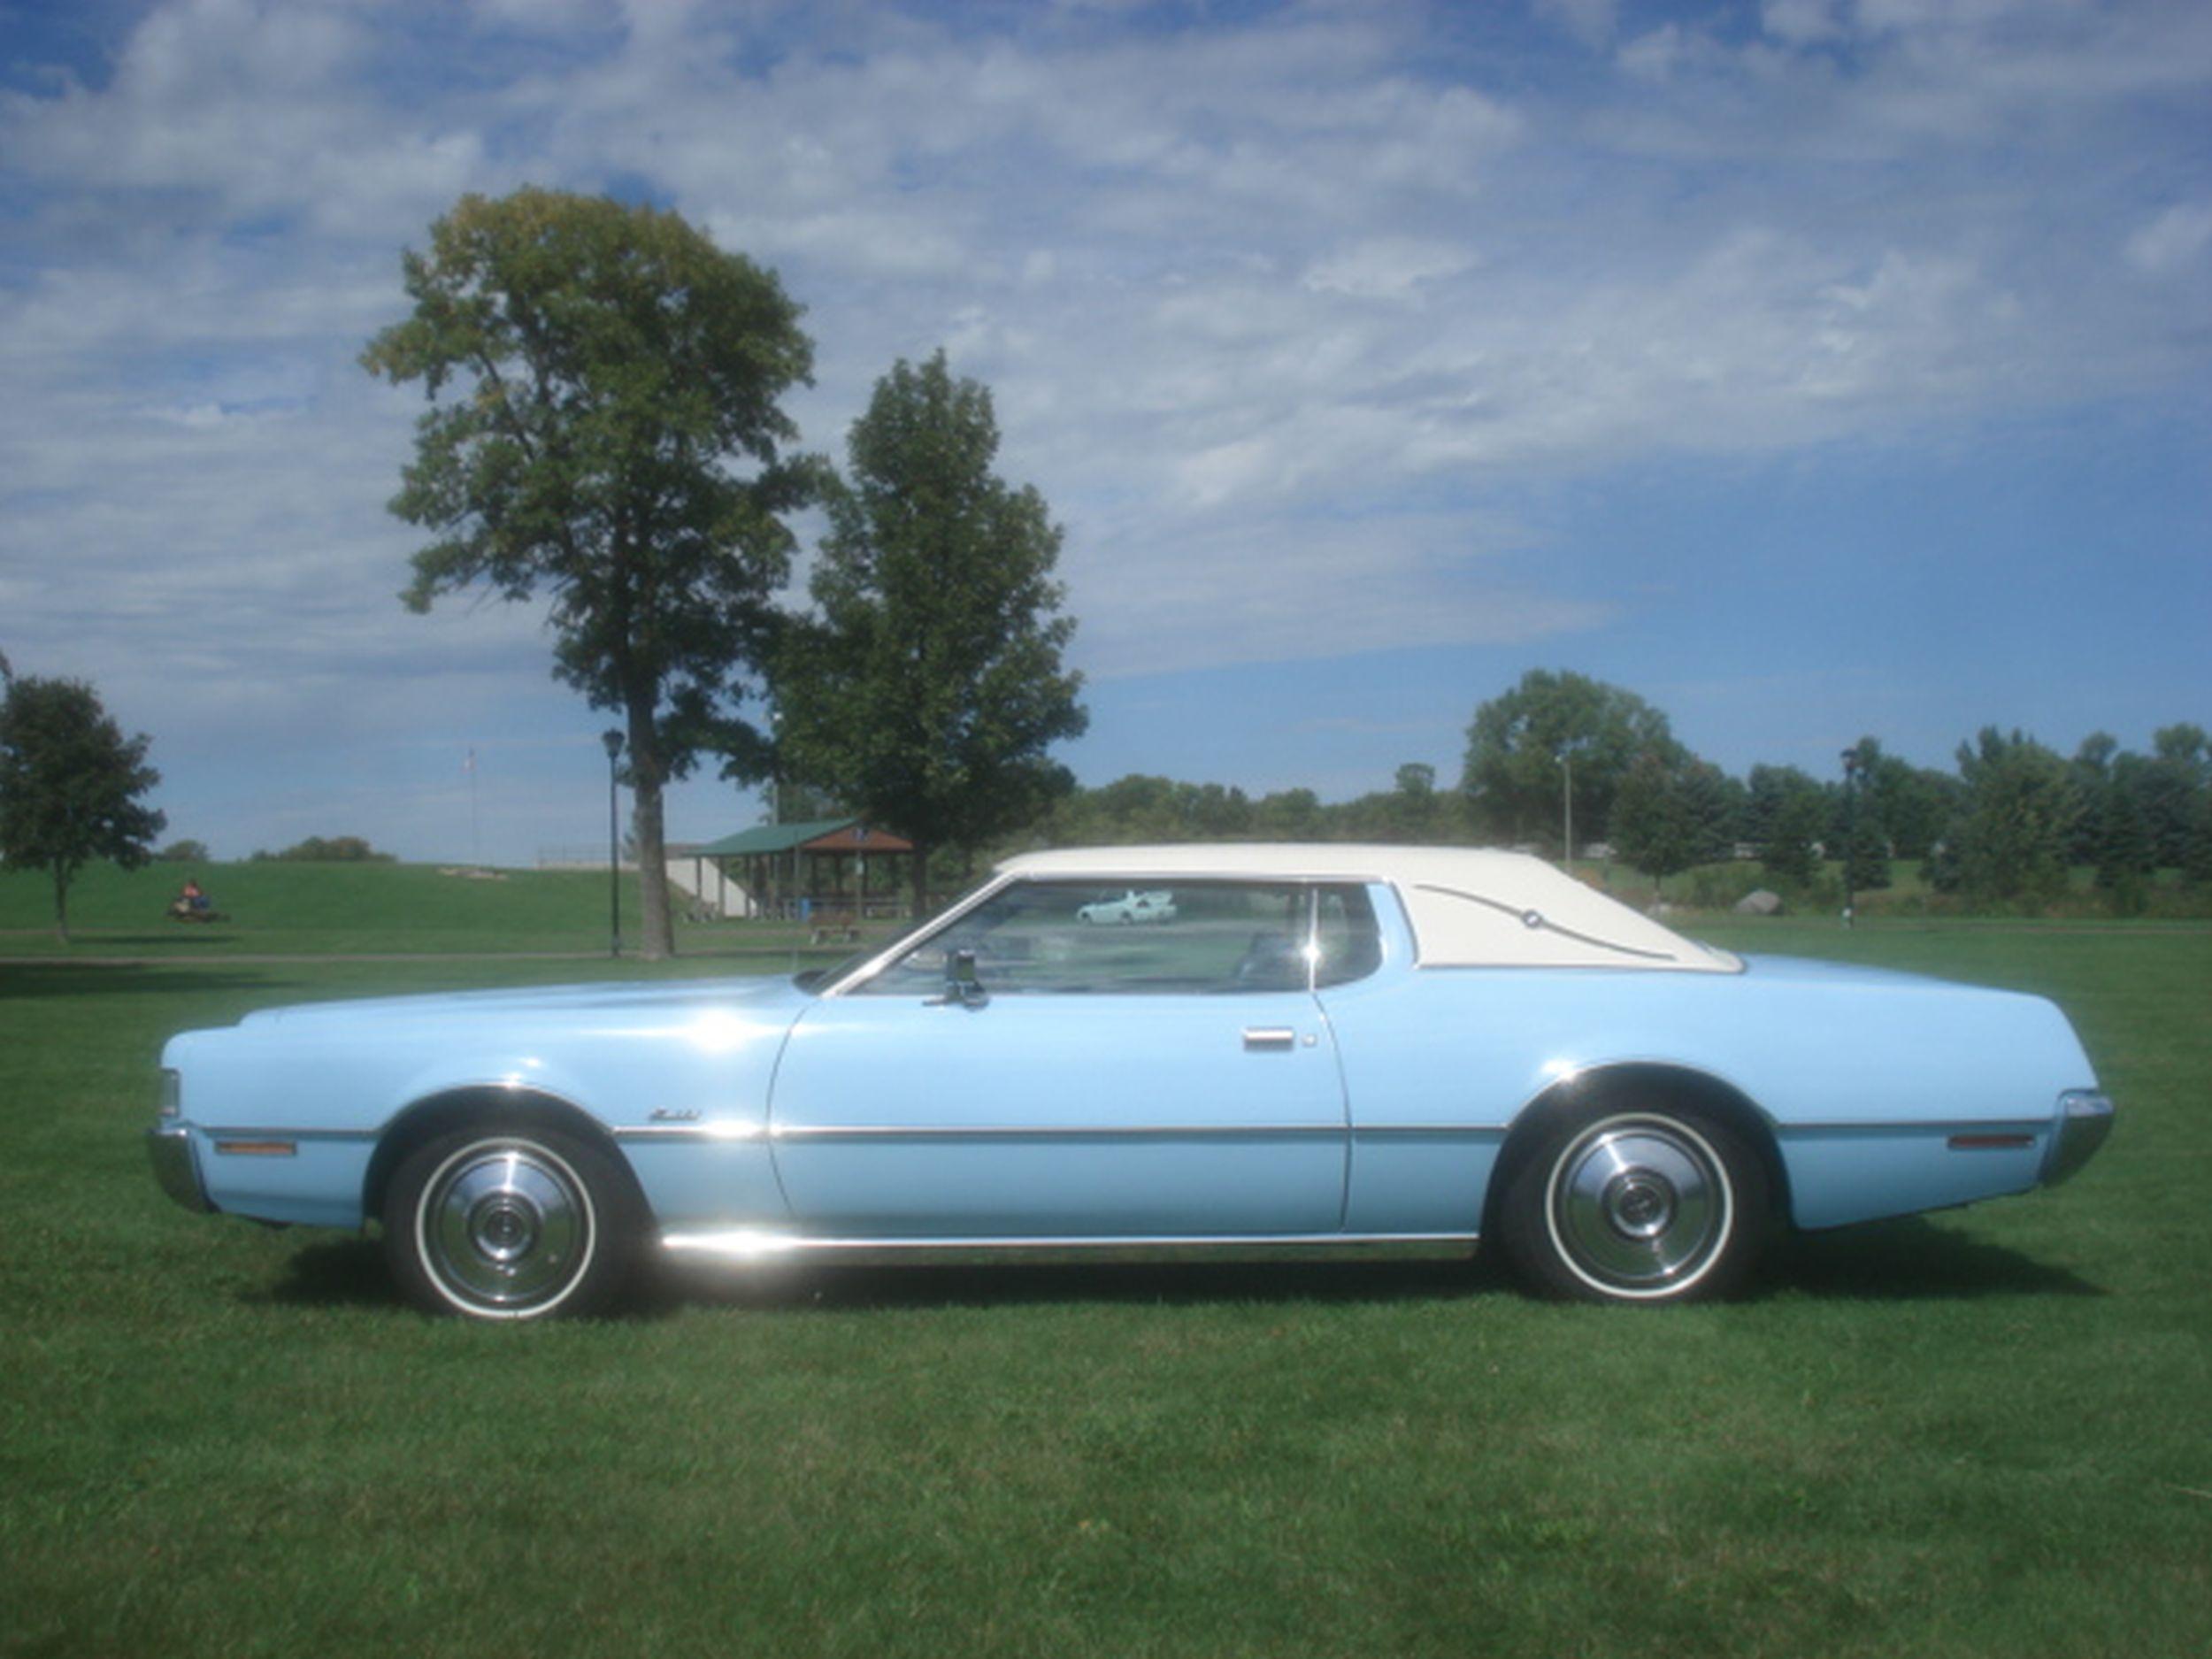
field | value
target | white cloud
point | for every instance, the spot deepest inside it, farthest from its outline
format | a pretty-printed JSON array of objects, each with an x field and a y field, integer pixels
[
  {"x": 1274, "y": 308},
  {"x": 2174, "y": 242},
  {"x": 1387, "y": 268},
  {"x": 1593, "y": 22},
  {"x": 1804, "y": 22},
  {"x": 1235, "y": 589}
]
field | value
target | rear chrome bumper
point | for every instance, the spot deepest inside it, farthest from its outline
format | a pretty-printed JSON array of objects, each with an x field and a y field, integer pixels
[
  {"x": 176, "y": 1167},
  {"x": 2085, "y": 1119}
]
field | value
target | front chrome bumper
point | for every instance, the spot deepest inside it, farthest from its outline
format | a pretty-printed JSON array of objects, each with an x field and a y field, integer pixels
[
  {"x": 176, "y": 1167},
  {"x": 2085, "y": 1119}
]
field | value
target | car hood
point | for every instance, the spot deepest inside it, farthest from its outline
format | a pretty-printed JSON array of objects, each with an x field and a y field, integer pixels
[{"x": 600, "y": 1003}]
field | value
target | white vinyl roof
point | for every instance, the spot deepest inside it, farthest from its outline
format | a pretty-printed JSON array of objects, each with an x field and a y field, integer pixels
[{"x": 1470, "y": 907}]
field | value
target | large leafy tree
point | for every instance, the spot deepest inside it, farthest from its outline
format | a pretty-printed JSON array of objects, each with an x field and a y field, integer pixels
[
  {"x": 1655, "y": 818},
  {"x": 2178, "y": 774},
  {"x": 927, "y": 688},
  {"x": 605, "y": 436},
  {"x": 69, "y": 786},
  {"x": 1786, "y": 812},
  {"x": 1522, "y": 745},
  {"x": 2124, "y": 851},
  {"x": 1908, "y": 805},
  {"x": 1789, "y": 850},
  {"x": 2016, "y": 820},
  {"x": 1862, "y": 825},
  {"x": 2090, "y": 774},
  {"x": 2196, "y": 861}
]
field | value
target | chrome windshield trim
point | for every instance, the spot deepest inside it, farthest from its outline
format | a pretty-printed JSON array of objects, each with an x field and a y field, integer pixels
[{"x": 927, "y": 928}]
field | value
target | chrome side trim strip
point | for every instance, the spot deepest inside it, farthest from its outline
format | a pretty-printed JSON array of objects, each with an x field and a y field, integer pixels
[
  {"x": 693, "y": 1134},
  {"x": 1922, "y": 1125},
  {"x": 762, "y": 1244},
  {"x": 1052, "y": 1131}
]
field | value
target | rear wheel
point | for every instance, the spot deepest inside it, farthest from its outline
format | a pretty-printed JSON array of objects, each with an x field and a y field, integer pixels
[
  {"x": 1626, "y": 1203},
  {"x": 509, "y": 1223}
]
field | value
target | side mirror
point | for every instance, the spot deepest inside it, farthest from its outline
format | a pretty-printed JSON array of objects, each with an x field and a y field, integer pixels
[{"x": 961, "y": 986}]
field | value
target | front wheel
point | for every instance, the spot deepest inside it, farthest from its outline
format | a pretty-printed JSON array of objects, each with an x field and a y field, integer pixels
[
  {"x": 1624, "y": 1204},
  {"x": 509, "y": 1223}
]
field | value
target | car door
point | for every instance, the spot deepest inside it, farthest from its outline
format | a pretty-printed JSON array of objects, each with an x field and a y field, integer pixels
[{"x": 1170, "y": 1081}]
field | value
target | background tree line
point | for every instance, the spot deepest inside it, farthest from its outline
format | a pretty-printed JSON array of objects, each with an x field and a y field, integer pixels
[
  {"x": 2004, "y": 828},
  {"x": 604, "y": 435}
]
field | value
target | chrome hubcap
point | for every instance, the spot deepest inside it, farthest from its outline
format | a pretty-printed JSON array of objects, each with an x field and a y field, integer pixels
[
  {"x": 505, "y": 1227},
  {"x": 1640, "y": 1205}
]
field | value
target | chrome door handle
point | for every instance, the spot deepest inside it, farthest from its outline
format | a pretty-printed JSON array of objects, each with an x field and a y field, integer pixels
[{"x": 1270, "y": 1037}]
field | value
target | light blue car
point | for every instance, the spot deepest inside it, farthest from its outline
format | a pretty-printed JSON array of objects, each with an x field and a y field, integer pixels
[{"x": 1334, "y": 1046}]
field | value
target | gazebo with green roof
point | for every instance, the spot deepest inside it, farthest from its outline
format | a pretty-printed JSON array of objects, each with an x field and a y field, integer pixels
[{"x": 812, "y": 869}]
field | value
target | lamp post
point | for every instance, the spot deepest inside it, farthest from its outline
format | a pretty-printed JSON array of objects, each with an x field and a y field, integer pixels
[
  {"x": 1850, "y": 832},
  {"x": 1567, "y": 804},
  {"x": 775, "y": 773},
  {"x": 1567, "y": 795},
  {"x": 612, "y": 739}
]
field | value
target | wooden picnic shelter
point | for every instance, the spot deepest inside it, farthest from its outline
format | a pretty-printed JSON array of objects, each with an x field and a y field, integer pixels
[{"x": 824, "y": 867}]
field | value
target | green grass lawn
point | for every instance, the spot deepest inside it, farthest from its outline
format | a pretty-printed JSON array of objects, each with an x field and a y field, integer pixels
[
  {"x": 1987, "y": 1432},
  {"x": 281, "y": 908}
]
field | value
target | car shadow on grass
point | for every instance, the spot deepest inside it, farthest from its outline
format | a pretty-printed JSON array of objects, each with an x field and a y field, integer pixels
[
  {"x": 96, "y": 978},
  {"x": 1909, "y": 1259},
  {"x": 845, "y": 1288},
  {"x": 350, "y": 1272},
  {"x": 335, "y": 1272}
]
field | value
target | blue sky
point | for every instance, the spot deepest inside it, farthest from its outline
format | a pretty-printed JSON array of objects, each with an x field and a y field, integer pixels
[{"x": 1811, "y": 367}]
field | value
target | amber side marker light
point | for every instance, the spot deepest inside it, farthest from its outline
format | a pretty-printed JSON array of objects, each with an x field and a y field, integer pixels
[
  {"x": 257, "y": 1149},
  {"x": 1989, "y": 1143}
]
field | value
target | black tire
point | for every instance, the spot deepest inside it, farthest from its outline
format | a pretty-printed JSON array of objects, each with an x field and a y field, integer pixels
[
  {"x": 510, "y": 1222},
  {"x": 1627, "y": 1202}
]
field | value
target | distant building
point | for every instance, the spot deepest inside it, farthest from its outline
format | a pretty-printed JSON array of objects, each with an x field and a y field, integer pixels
[{"x": 797, "y": 872}]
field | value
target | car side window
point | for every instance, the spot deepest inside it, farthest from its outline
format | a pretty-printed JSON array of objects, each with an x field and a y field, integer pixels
[{"x": 1194, "y": 937}]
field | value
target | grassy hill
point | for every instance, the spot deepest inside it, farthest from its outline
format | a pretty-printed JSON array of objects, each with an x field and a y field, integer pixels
[{"x": 345, "y": 909}]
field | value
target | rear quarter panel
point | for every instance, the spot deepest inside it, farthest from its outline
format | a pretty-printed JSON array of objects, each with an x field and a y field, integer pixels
[{"x": 1862, "y": 1077}]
